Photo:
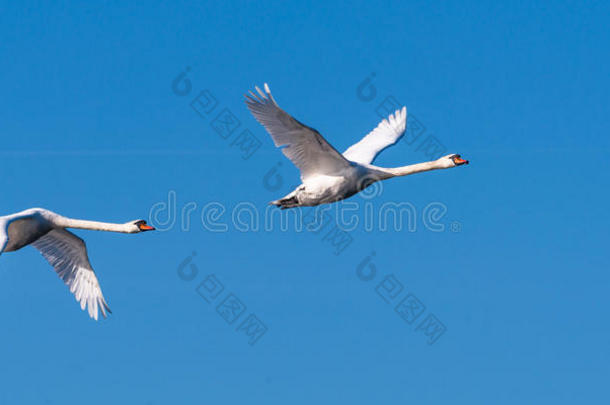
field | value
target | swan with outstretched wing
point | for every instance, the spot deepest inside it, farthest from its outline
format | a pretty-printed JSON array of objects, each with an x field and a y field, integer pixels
[
  {"x": 64, "y": 251},
  {"x": 327, "y": 175}
]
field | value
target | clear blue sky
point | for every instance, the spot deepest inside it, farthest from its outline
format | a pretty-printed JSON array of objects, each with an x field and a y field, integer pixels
[{"x": 91, "y": 128}]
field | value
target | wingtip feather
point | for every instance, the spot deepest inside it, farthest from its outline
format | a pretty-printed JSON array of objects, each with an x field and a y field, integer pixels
[{"x": 260, "y": 92}]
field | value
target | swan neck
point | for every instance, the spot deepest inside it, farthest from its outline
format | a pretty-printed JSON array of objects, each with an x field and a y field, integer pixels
[
  {"x": 92, "y": 225},
  {"x": 412, "y": 169}
]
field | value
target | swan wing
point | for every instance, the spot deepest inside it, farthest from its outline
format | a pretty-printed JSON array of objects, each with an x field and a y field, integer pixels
[
  {"x": 67, "y": 254},
  {"x": 304, "y": 146},
  {"x": 388, "y": 132}
]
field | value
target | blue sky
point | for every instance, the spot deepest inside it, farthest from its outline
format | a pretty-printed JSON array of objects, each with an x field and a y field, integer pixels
[{"x": 517, "y": 276}]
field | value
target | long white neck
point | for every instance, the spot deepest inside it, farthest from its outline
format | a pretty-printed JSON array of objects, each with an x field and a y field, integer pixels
[
  {"x": 411, "y": 169},
  {"x": 92, "y": 225}
]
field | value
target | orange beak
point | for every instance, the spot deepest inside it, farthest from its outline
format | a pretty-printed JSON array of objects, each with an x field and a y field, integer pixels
[
  {"x": 145, "y": 227},
  {"x": 459, "y": 161}
]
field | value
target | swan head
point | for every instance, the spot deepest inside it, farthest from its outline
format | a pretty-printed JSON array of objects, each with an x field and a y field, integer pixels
[
  {"x": 139, "y": 225},
  {"x": 452, "y": 160}
]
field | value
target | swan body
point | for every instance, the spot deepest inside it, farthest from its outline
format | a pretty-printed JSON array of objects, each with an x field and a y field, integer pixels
[
  {"x": 65, "y": 252},
  {"x": 328, "y": 176}
]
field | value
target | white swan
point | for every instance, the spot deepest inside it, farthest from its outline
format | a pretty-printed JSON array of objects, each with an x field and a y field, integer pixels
[
  {"x": 66, "y": 252},
  {"x": 327, "y": 175}
]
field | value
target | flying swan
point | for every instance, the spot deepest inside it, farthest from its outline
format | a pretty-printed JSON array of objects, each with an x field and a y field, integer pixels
[
  {"x": 65, "y": 252},
  {"x": 327, "y": 175}
]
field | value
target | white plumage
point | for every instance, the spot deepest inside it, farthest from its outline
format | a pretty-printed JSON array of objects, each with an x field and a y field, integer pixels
[
  {"x": 388, "y": 132},
  {"x": 64, "y": 251},
  {"x": 327, "y": 175},
  {"x": 303, "y": 145},
  {"x": 67, "y": 254}
]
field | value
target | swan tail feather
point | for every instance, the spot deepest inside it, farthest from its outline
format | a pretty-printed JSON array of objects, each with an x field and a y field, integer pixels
[{"x": 286, "y": 202}]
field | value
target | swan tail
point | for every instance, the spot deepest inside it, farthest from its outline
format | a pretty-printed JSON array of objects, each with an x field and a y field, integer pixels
[{"x": 286, "y": 202}]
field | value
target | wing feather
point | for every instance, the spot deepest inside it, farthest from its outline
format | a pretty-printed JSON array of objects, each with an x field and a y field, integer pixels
[
  {"x": 304, "y": 146},
  {"x": 67, "y": 254},
  {"x": 388, "y": 132}
]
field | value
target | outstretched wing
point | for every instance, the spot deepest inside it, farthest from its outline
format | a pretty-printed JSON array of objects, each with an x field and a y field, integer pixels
[
  {"x": 303, "y": 145},
  {"x": 388, "y": 132},
  {"x": 67, "y": 254}
]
